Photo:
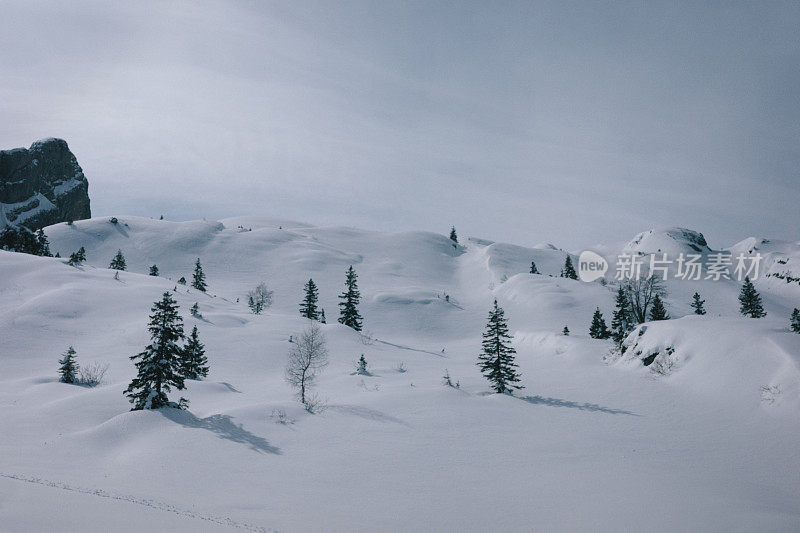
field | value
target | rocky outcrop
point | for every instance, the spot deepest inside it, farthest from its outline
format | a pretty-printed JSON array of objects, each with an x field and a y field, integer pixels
[{"x": 42, "y": 185}]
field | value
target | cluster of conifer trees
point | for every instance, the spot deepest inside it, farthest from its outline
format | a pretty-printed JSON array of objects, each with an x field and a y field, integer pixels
[{"x": 348, "y": 305}]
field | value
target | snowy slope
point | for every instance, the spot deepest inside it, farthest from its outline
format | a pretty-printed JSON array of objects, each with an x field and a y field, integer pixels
[
  {"x": 672, "y": 241},
  {"x": 591, "y": 443}
]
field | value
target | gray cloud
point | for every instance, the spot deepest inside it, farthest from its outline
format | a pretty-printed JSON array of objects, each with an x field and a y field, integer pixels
[{"x": 568, "y": 122}]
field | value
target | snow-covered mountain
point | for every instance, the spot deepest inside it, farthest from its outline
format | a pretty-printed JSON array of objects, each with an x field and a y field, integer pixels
[
  {"x": 703, "y": 437},
  {"x": 672, "y": 241}
]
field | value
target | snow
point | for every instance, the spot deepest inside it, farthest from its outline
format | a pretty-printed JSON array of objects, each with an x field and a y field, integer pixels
[
  {"x": 671, "y": 241},
  {"x": 42, "y": 205},
  {"x": 593, "y": 442}
]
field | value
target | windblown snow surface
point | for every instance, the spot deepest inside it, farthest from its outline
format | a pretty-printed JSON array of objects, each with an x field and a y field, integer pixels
[{"x": 706, "y": 438}]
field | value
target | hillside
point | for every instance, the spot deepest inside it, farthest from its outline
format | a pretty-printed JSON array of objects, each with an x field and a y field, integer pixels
[{"x": 704, "y": 440}]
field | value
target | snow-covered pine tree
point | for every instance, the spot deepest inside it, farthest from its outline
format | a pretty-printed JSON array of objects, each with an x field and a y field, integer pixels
[
  {"x": 193, "y": 364},
  {"x": 182, "y": 280},
  {"x": 76, "y": 258},
  {"x": 598, "y": 328},
  {"x": 750, "y": 300},
  {"x": 348, "y": 312},
  {"x": 199, "y": 277},
  {"x": 322, "y": 316},
  {"x": 621, "y": 321},
  {"x": 195, "y": 310},
  {"x": 154, "y": 270},
  {"x": 453, "y": 235},
  {"x": 159, "y": 365},
  {"x": 569, "y": 270},
  {"x": 534, "y": 270},
  {"x": 361, "y": 366},
  {"x": 565, "y": 331},
  {"x": 697, "y": 304},
  {"x": 308, "y": 307},
  {"x": 795, "y": 322},
  {"x": 69, "y": 367},
  {"x": 118, "y": 263},
  {"x": 496, "y": 361},
  {"x": 658, "y": 311}
]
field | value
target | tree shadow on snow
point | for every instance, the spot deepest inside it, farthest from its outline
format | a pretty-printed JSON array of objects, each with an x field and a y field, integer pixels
[
  {"x": 230, "y": 387},
  {"x": 401, "y": 347},
  {"x": 366, "y": 413},
  {"x": 557, "y": 402},
  {"x": 223, "y": 427}
]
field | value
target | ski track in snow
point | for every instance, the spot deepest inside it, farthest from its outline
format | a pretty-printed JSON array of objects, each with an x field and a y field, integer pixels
[{"x": 153, "y": 504}]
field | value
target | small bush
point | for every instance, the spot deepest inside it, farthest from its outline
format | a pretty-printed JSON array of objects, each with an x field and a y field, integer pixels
[
  {"x": 92, "y": 375},
  {"x": 314, "y": 404},
  {"x": 279, "y": 416},
  {"x": 366, "y": 338}
]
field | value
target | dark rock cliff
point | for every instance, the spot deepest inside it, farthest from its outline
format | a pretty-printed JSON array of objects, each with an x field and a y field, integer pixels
[{"x": 42, "y": 185}]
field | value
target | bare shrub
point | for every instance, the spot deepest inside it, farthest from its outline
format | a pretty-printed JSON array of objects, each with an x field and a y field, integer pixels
[
  {"x": 307, "y": 356},
  {"x": 259, "y": 298},
  {"x": 366, "y": 338},
  {"x": 92, "y": 375},
  {"x": 641, "y": 292},
  {"x": 279, "y": 416},
  {"x": 314, "y": 404}
]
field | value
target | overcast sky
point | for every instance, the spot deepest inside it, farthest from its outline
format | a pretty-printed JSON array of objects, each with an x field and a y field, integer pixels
[{"x": 526, "y": 122}]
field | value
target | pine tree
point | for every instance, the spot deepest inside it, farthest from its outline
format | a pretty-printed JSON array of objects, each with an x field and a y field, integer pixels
[
  {"x": 795, "y": 324},
  {"x": 453, "y": 236},
  {"x": 534, "y": 270},
  {"x": 308, "y": 307},
  {"x": 598, "y": 329},
  {"x": 446, "y": 379},
  {"x": 348, "y": 312},
  {"x": 43, "y": 244},
  {"x": 361, "y": 366},
  {"x": 565, "y": 331},
  {"x": 199, "y": 277},
  {"x": 76, "y": 258},
  {"x": 658, "y": 311},
  {"x": 621, "y": 321},
  {"x": 195, "y": 310},
  {"x": 118, "y": 263},
  {"x": 322, "y": 316},
  {"x": 159, "y": 365},
  {"x": 68, "y": 367},
  {"x": 154, "y": 270},
  {"x": 697, "y": 304},
  {"x": 750, "y": 300},
  {"x": 569, "y": 270},
  {"x": 23, "y": 240},
  {"x": 182, "y": 281},
  {"x": 496, "y": 361},
  {"x": 193, "y": 364}
]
